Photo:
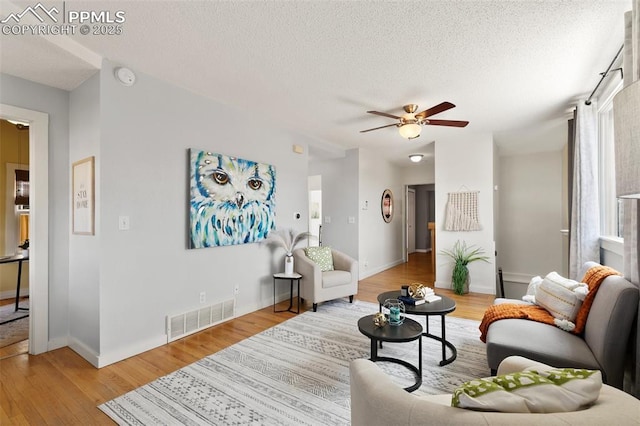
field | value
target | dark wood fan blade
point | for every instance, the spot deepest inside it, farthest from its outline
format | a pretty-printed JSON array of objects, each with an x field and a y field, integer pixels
[
  {"x": 376, "y": 128},
  {"x": 384, "y": 114},
  {"x": 453, "y": 123},
  {"x": 435, "y": 110}
]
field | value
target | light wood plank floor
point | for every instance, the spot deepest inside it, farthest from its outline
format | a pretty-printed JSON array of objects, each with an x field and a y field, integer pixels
[{"x": 60, "y": 387}]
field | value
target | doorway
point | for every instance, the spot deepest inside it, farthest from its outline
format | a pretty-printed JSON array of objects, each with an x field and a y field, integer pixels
[
  {"x": 315, "y": 209},
  {"x": 39, "y": 223},
  {"x": 420, "y": 210},
  {"x": 411, "y": 220}
]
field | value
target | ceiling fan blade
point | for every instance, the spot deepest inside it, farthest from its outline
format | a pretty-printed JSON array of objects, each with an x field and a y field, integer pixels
[
  {"x": 435, "y": 110},
  {"x": 452, "y": 123},
  {"x": 376, "y": 128},
  {"x": 384, "y": 114}
]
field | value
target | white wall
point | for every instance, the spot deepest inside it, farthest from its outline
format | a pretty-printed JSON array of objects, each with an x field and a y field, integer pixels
[
  {"x": 466, "y": 164},
  {"x": 380, "y": 243},
  {"x": 25, "y": 94},
  {"x": 418, "y": 173},
  {"x": 147, "y": 272},
  {"x": 531, "y": 215},
  {"x": 340, "y": 202},
  {"x": 84, "y": 250}
]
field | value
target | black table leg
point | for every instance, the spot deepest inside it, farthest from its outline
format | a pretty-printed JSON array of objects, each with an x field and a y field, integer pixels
[
  {"x": 443, "y": 340},
  {"x": 18, "y": 286},
  {"x": 297, "y": 295},
  {"x": 374, "y": 349},
  {"x": 290, "y": 308}
]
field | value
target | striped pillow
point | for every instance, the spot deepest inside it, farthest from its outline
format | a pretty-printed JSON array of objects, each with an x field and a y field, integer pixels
[{"x": 560, "y": 296}]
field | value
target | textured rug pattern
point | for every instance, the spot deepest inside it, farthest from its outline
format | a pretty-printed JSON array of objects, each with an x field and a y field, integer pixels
[
  {"x": 14, "y": 326},
  {"x": 296, "y": 373}
]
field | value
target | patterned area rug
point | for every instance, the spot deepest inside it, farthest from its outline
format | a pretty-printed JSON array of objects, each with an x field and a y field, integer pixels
[
  {"x": 296, "y": 373},
  {"x": 14, "y": 326}
]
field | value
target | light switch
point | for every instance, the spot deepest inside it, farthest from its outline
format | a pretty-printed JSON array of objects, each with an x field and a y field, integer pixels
[
  {"x": 123, "y": 223},
  {"x": 352, "y": 219},
  {"x": 327, "y": 219}
]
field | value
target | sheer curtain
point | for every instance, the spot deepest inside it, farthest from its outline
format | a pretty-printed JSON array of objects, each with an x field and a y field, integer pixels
[
  {"x": 584, "y": 244},
  {"x": 631, "y": 65}
]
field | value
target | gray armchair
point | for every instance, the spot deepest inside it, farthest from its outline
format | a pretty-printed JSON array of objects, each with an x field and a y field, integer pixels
[{"x": 317, "y": 286}]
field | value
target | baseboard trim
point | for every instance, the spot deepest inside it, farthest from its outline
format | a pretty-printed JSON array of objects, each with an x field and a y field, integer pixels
[
  {"x": 103, "y": 360},
  {"x": 11, "y": 294},
  {"x": 516, "y": 277},
  {"x": 57, "y": 343},
  {"x": 472, "y": 288},
  {"x": 84, "y": 351},
  {"x": 379, "y": 269}
]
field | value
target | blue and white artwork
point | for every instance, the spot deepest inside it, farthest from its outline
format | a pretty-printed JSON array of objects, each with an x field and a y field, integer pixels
[{"x": 232, "y": 200}]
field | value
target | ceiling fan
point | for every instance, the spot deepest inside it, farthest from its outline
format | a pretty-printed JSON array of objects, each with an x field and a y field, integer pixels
[{"x": 410, "y": 124}]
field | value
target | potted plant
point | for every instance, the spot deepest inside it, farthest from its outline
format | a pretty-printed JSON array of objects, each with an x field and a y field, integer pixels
[
  {"x": 462, "y": 255},
  {"x": 287, "y": 239}
]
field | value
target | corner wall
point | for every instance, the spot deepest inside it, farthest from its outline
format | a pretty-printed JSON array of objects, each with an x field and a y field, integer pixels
[
  {"x": 531, "y": 216},
  {"x": 381, "y": 243},
  {"x": 147, "y": 272},
  {"x": 340, "y": 179},
  {"x": 466, "y": 164}
]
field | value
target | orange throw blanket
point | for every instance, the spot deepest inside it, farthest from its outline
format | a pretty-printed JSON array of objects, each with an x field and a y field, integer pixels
[{"x": 593, "y": 278}]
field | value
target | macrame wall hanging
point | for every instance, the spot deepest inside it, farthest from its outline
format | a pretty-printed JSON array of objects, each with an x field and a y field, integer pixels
[{"x": 462, "y": 211}]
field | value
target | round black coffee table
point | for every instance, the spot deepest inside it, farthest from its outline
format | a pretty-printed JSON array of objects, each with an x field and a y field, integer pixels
[
  {"x": 441, "y": 307},
  {"x": 408, "y": 331}
]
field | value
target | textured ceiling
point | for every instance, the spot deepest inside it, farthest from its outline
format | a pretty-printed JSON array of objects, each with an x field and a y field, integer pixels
[{"x": 513, "y": 68}]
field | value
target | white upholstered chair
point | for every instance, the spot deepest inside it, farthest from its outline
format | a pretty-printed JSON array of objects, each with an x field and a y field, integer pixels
[{"x": 317, "y": 286}]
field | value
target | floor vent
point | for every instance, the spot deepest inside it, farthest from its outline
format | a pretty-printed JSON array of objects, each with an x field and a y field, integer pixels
[{"x": 186, "y": 323}]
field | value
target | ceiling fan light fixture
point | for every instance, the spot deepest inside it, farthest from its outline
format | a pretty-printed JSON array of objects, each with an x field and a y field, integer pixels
[
  {"x": 410, "y": 130},
  {"x": 416, "y": 158}
]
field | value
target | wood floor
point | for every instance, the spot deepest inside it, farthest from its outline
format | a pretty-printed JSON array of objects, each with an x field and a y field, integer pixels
[{"x": 60, "y": 387}]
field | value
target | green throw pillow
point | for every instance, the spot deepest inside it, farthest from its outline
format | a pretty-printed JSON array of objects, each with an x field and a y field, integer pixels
[
  {"x": 550, "y": 391},
  {"x": 322, "y": 256}
]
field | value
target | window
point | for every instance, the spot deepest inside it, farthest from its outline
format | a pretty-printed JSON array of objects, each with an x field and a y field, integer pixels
[{"x": 610, "y": 206}]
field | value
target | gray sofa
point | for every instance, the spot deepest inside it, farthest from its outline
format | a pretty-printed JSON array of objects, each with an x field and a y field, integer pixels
[
  {"x": 603, "y": 345},
  {"x": 377, "y": 401}
]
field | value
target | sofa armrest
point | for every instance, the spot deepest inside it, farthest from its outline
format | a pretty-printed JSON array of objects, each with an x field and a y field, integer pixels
[
  {"x": 376, "y": 400},
  {"x": 343, "y": 262},
  {"x": 514, "y": 364},
  {"x": 310, "y": 272}
]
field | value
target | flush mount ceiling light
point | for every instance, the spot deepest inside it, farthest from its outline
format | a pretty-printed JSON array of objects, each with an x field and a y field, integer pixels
[{"x": 416, "y": 158}]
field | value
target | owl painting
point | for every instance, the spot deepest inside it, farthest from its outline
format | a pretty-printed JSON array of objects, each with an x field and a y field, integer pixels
[{"x": 232, "y": 200}]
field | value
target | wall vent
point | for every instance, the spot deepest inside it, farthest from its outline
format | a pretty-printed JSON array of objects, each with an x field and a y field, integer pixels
[{"x": 186, "y": 323}]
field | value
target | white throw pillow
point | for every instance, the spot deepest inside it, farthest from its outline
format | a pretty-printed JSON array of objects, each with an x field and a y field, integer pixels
[
  {"x": 533, "y": 285},
  {"x": 530, "y": 297},
  {"x": 551, "y": 391},
  {"x": 560, "y": 296}
]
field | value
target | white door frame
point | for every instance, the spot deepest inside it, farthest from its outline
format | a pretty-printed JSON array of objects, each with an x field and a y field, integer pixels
[
  {"x": 39, "y": 223},
  {"x": 410, "y": 228}
]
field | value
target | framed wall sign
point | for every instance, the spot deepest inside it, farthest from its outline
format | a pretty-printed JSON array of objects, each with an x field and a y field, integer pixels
[
  {"x": 83, "y": 200},
  {"x": 386, "y": 205}
]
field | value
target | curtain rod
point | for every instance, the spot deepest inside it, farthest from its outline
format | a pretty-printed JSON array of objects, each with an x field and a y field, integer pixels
[{"x": 604, "y": 75}]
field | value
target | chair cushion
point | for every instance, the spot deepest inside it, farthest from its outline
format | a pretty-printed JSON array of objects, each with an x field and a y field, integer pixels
[
  {"x": 531, "y": 391},
  {"x": 321, "y": 256},
  {"x": 335, "y": 278},
  {"x": 541, "y": 342}
]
